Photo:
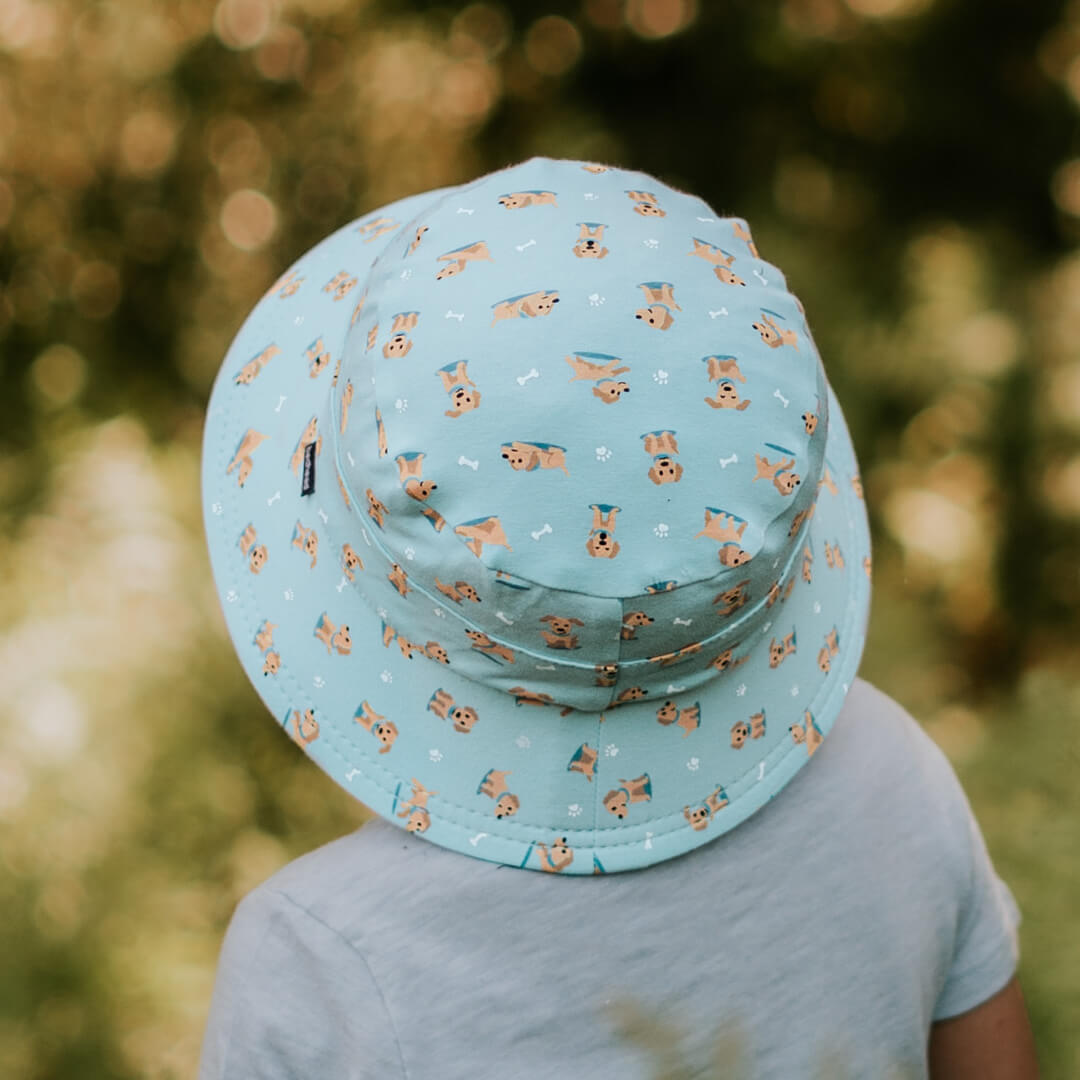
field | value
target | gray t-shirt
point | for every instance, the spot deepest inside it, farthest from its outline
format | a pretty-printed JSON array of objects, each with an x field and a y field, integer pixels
[{"x": 831, "y": 928}]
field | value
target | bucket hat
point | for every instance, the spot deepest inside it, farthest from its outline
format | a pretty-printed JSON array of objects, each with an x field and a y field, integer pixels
[{"x": 535, "y": 520}]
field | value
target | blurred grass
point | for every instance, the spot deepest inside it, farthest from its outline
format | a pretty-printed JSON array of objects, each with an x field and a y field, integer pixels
[{"x": 161, "y": 162}]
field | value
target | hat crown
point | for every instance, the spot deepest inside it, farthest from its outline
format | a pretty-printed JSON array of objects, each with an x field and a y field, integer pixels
[{"x": 583, "y": 424}]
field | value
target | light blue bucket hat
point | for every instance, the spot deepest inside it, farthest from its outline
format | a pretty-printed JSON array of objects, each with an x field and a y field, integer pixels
[{"x": 535, "y": 520}]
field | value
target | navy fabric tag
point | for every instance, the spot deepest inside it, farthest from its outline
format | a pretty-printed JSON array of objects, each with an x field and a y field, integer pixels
[{"x": 308, "y": 486}]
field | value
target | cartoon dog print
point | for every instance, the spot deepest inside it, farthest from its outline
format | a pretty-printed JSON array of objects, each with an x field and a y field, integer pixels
[
  {"x": 355, "y": 317},
  {"x": 856, "y": 486},
  {"x": 421, "y": 229},
  {"x": 376, "y": 508},
  {"x": 399, "y": 579},
  {"x": 668, "y": 658},
  {"x": 689, "y": 719},
  {"x": 286, "y": 286},
  {"x": 711, "y": 253},
  {"x": 309, "y": 435},
  {"x": 723, "y": 368},
  {"x": 515, "y": 200},
  {"x": 601, "y": 544},
  {"x": 526, "y": 456},
  {"x": 256, "y": 554},
  {"x": 372, "y": 230},
  {"x": 590, "y": 238},
  {"x": 720, "y": 526},
  {"x": 410, "y": 465},
  {"x": 341, "y": 487},
  {"x": 660, "y": 298},
  {"x": 305, "y": 728},
  {"x": 807, "y": 732},
  {"x": 434, "y": 651},
  {"x": 525, "y": 306},
  {"x": 373, "y": 333},
  {"x": 834, "y": 556},
  {"x": 381, "y": 429},
  {"x": 398, "y": 345},
  {"x": 464, "y": 717},
  {"x": 264, "y": 637},
  {"x": 702, "y": 814},
  {"x": 584, "y": 761},
  {"x": 661, "y": 445},
  {"x": 631, "y": 621},
  {"x": 608, "y": 389},
  {"x": 726, "y": 661},
  {"x": 867, "y": 566},
  {"x": 556, "y": 858},
  {"x": 753, "y": 728},
  {"x": 529, "y": 697},
  {"x": 373, "y": 724},
  {"x": 307, "y": 540},
  {"x": 728, "y": 276},
  {"x": 318, "y": 357},
  {"x": 618, "y": 800},
  {"x": 732, "y": 599},
  {"x": 458, "y": 259},
  {"x": 595, "y": 168},
  {"x": 661, "y": 586},
  {"x": 810, "y": 421},
  {"x": 727, "y": 397},
  {"x": 460, "y": 590},
  {"x": 350, "y": 561},
  {"x": 828, "y": 483},
  {"x": 828, "y": 650},
  {"x": 646, "y": 204},
  {"x": 272, "y": 663},
  {"x": 772, "y": 335},
  {"x": 800, "y": 517},
  {"x": 340, "y": 285},
  {"x": 248, "y": 445},
  {"x": 784, "y": 480},
  {"x": 455, "y": 379},
  {"x": 560, "y": 632},
  {"x": 630, "y": 694},
  {"x": 346, "y": 401},
  {"x": 415, "y": 808},
  {"x": 333, "y": 638},
  {"x": 740, "y": 233},
  {"x": 481, "y": 531},
  {"x": 488, "y": 647},
  {"x": 494, "y": 785},
  {"x": 808, "y": 558},
  {"x": 606, "y": 674},
  {"x": 775, "y": 593},
  {"x": 779, "y": 650},
  {"x": 256, "y": 364}
]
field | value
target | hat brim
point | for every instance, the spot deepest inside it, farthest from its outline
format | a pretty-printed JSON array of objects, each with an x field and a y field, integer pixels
[{"x": 602, "y": 792}]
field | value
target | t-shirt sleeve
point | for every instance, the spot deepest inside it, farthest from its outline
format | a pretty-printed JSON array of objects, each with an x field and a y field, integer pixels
[
  {"x": 293, "y": 999},
  {"x": 987, "y": 947}
]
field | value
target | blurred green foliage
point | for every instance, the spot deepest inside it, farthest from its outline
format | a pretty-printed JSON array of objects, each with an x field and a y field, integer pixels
[{"x": 913, "y": 165}]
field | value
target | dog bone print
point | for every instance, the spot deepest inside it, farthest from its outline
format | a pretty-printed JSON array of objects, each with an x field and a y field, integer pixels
[
  {"x": 714, "y": 314},
  {"x": 273, "y": 498},
  {"x": 673, "y": 689},
  {"x": 545, "y": 667},
  {"x": 760, "y": 276},
  {"x": 462, "y": 210},
  {"x": 527, "y": 244},
  {"x": 777, "y": 394},
  {"x": 351, "y": 773},
  {"x": 367, "y": 539},
  {"x": 532, "y": 374},
  {"x": 438, "y": 612},
  {"x": 682, "y": 622},
  {"x": 341, "y": 584},
  {"x": 474, "y": 840},
  {"x": 710, "y": 220},
  {"x": 725, "y": 462},
  {"x": 463, "y": 460},
  {"x": 648, "y": 841},
  {"x": 281, "y": 401},
  {"x": 499, "y": 615},
  {"x": 760, "y": 769},
  {"x": 322, "y": 514},
  {"x": 451, "y": 314},
  {"x": 541, "y": 532}
]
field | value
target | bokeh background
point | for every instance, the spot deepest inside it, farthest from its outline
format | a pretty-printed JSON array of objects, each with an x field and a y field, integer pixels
[{"x": 913, "y": 165}]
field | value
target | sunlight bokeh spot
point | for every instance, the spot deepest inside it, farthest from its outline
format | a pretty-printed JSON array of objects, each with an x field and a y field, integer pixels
[
  {"x": 930, "y": 524},
  {"x": 660, "y": 18},
  {"x": 248, "y": 219},
  {"x": 888, "y": 9},
  {"x": 147, "y": 141},
  {"x": 1065, "y": 187},
  {"x": 57, "y": 719},
  {"x": 242, "y": 24},
  {"x": 59, "y": 374},
  {"x": 552, "y": 45},
  {"x": 96, "y": 289}
]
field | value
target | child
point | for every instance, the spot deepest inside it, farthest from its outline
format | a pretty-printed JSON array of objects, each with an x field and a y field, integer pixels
[{"x": 567, "y": 565}]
